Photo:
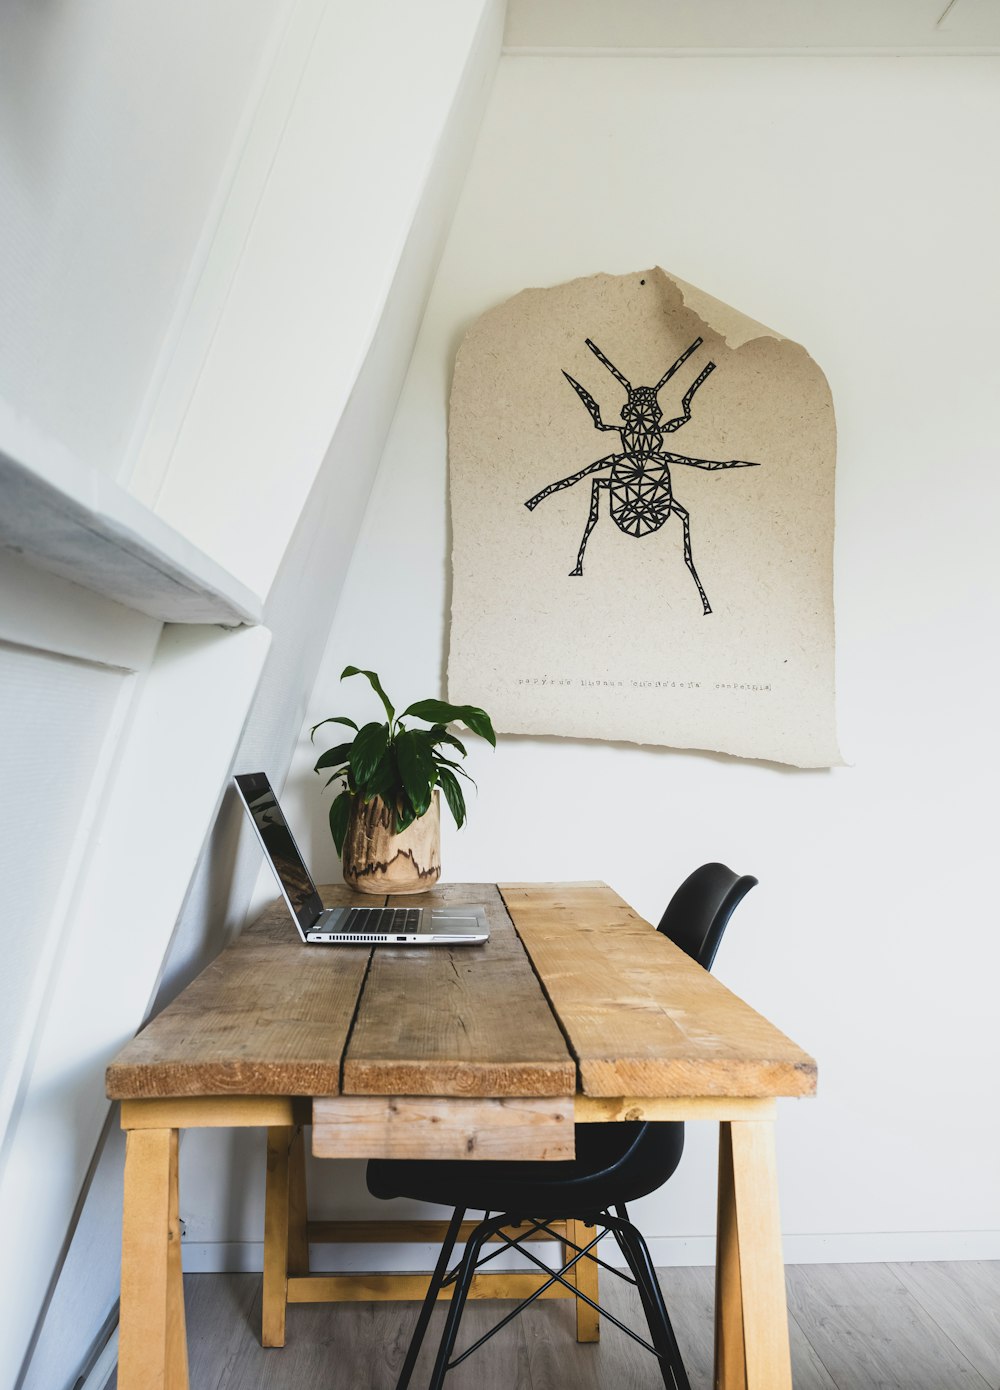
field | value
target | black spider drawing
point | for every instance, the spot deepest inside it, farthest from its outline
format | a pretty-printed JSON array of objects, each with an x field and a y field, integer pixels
[{"x": 641, "y": 494}]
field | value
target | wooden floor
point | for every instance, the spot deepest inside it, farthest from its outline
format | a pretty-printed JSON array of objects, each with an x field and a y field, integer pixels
[{"x": 853, "y": 1327}]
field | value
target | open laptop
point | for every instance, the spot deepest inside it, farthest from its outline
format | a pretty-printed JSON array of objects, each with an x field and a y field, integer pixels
[{"x": 348, "y": 926}]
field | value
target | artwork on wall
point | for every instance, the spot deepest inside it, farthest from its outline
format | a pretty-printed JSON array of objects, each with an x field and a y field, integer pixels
[{"x": 642, "y": 516}]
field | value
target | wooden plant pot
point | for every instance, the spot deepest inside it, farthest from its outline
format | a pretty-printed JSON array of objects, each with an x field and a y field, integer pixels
[{"x": 376, "y": 860}]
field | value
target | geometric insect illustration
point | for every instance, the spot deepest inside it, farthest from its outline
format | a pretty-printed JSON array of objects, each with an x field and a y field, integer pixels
[{"x": 642, "y": 498}]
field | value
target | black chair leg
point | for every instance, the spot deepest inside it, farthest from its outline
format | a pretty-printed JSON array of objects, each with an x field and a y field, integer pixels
[
  {"x": 463, "y": 1284},
  {"x": 661, "y": 1332},
  {"x": 427, "y": 1307}
]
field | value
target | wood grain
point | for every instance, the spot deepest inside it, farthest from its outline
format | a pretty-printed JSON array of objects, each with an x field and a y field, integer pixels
[
  {"x": 457, "y": 1021},
  {"x": 406, "y": 1288},
  {"x": 176, "y": 1352},
  {"x": 269, "y": 1016},
  {"x": 609, "y": 1109},
  {"x": 730, "y": 1352},
  {"x": 402, "y": 1232},
  {"x": 153, "y": 1349},
  {"x": 519, "y": 1128},
  {"x": 584, "y": 1276},
  {"x": 377, "y": 860},
  {"x": 298, "y": 1206},
  {"x": 758, "y": 1238},
  {"x": 641, "y": 1017},
  {"x": 214, "y": 1112},
  {"x": 276, "y": 1224}
]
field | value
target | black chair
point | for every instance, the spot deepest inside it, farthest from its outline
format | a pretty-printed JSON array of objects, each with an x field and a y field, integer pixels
[
  {"x": 698, "y": 914},
  {"x": 614, "y": 1164}
]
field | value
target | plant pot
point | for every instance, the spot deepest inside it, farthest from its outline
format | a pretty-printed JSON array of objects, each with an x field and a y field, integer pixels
[{"x": 376, "y": 860}]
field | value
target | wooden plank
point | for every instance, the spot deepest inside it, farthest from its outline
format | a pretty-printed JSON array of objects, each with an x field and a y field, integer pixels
[
  {"x": 457, "y": 1021},
  {"x": 269, "y": 1016},
  {"x": 407, "y": 1288},
  {"x": 608, "y": 1110},
  {"x": 152, "y": 1351},
  {"x": 298, "y": 1206},
  {"x": 176, "y": 1376},
  {"x": 762, "y": 1274},
  {"x": 519, "y": 1129},
  {"x": 730, "y": 1353},
  {"x": 402, "y": 1232},
  {"x": 641, "y": 1017},
  {"x": 276, "y": 1215},
  {"x": 212, "y": 1112},
  {"x": 584, "y": 1276}
]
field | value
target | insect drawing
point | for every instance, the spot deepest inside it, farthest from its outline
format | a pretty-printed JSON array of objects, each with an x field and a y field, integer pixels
[{"x": 642, "y": 496}]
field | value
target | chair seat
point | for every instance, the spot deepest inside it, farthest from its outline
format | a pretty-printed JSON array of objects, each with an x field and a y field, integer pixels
[{"x": 611, "y": 1166}]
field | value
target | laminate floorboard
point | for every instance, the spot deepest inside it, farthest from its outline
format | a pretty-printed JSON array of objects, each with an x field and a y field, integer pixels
[
  {"x": 853, "y": 1327},
  {"x": 963, "y": 1298},
  {"x": 871, "y": 1333}
]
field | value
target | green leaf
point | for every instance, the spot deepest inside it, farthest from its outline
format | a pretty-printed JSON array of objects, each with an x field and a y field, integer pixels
[
  {"x": 340, "y": 813},
  {"x": 333, "y": 756},
  {"x": 384, "y": 781},
  {"x": 405, "y": 815},
  {"x": 415, "y": 759},
  {"x": 453, "y": 795},
  {"x": 367, "y": 750},
  {"x": 439, "y": 712},
  {"x": 341, "y": 772},
  {"x": 439, "y": 734},
  {"x": 334, "y": 719},
  {"x": 444, "y": 762},
  {"x": 376, "y": 685}
]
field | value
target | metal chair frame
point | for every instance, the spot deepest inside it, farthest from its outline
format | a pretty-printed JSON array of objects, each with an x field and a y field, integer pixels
[{"x": 630, "y": 1242}]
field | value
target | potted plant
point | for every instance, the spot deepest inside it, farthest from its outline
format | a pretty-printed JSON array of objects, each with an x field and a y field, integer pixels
[{"x": 386, "y": 818}]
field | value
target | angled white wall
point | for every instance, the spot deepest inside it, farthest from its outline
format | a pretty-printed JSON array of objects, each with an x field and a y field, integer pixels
[
  {"x": 117, "y": 125},
  {"x": 230, "y": 461},
  {"x": 267, "y": 394}
]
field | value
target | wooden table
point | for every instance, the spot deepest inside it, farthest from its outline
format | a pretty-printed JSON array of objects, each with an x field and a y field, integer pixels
[{"x": 575, "y": 1010}]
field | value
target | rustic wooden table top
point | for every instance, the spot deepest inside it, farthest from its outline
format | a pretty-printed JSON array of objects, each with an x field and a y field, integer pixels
[{"x": 573, "y": 991}]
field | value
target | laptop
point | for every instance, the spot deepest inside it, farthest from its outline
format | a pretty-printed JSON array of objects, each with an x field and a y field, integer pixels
[{"x": 347, "y": 926}]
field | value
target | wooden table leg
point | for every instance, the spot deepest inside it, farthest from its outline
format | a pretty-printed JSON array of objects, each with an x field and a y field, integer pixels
[
  {"x": 583, "y": 1276},
  {"x": 730, "y": 1358},
  {"x": 152, "y": 1349},
  {"x": 298, "y": 1207},
  {"x": 759, "y": 1289},
  {"x": 286, "y": 1233}
]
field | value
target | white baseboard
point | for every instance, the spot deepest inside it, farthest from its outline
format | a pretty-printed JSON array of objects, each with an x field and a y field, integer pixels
[{"x": 864, "y": 1247}]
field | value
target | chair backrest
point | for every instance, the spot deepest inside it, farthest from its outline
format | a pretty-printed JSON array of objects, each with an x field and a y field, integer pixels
[{"x": 699, "y": 912}]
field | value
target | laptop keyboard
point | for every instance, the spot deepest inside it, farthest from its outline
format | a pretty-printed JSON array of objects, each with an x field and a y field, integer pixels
[{"x": 379, "y": 920}]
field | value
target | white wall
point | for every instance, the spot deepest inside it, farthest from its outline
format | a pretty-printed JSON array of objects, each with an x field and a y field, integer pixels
[
  {"x": 117, "y": 123},
  {"x": 844, "y": 202}
]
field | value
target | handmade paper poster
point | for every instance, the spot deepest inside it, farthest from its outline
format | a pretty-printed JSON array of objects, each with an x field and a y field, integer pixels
[{"x": 642, "y": 487}]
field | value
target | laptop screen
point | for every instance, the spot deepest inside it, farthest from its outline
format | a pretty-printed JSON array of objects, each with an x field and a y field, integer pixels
[{"x": 272, "y": 828}]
